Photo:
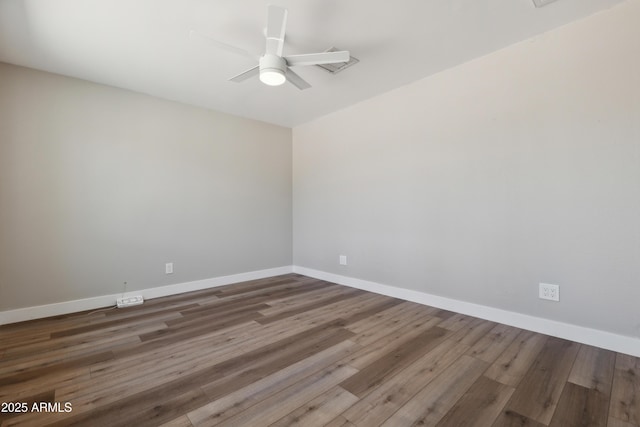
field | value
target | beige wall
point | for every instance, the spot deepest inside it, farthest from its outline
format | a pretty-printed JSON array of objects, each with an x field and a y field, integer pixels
[
  {"x": 480, "y": 182},
  {"x": 99, "y": 186}
]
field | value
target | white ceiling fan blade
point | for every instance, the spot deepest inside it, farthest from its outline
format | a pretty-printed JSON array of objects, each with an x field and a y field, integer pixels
[
  {"x": 317, "y": 58},
  {"x": 296, "y": 80},
  {"x": 224, "y": 46},
  {"x": 246, "y": 74},
  {"x": 276, "y": 24}
]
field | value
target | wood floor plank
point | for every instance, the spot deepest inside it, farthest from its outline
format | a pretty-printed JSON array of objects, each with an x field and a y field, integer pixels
[
  {"x": 221, "y": 306},
  {"x": 537, "y": 395},
  {"x": 302, "y": 308},
  {"x": 217, "y": 377},
  {"x": 394, "y": 361},
  {"x": 339, "y": 421},
  {"x": 372, "y": 310},
  {"x": 382, "y": 402},
  {"x": 319, "y": 411},
  {"x": 472, "y": 331},
  {"x": 54, "y": 380},
  {"x": 253, "y": 286},
  {"x": 614, "y": 422},
  {"x": 456, "y": 322},
  {"x": 237, "y": 401},
  {"x": 433, "y": 402},
  {"x": 275, "y": 331},
  {"x": 280, "y": 291},
  {"x": 516, "y": 360},
  {"x": 193, "y": 328},
  {"x": 277, "y": 305},
  {"x": 214, "y": 314},
  {"x": 625, "y": 393},
  {"x": 71, "y": 364},
  {"x": 509, "y": 418},
  {"x": 580, "y": 406},
  {"x": 109, "y": 337},
  {"x": 199, "y": 352},
  {"x": 396, "y": 315},
  {"x": 182, "y": 332},
  {"x": 163, "y": 357},
  {"x": 182, "y": 421},
  {"x": 150, "y": 412},
  {"x": 368, "y": 332},
  {"x": 29, "y": 329},
  {"x": 18, "y": 341},
  {"x": 42, "y": 360},
  {"x": 292, "y": 353},
  {"x": 109, "y": 323},
  {"x": 485, "y": 400},
  {"x": 593, "y": 369},
  {"x": 383, "y": 340},
  {"x": 494, "y": 343},
  {"x": 294, "y": 350},
  {"x": 288, "y": 400},
  {"x": 341, "y": 310}
]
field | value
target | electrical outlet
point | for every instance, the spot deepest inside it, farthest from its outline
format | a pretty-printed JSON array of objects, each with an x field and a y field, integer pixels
[
  {"x": 343, "y": 260},
  {"x": 549, "y": 292},
  {"x": 129, "y": 301},
  {"x": 168, "y": 268}
]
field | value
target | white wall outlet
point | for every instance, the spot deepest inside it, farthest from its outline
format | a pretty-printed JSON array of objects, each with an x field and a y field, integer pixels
[
  {"x": 343, "y": 260},
  {"x": 168, "y": 268},
  {"x": 550, "y": 292}
]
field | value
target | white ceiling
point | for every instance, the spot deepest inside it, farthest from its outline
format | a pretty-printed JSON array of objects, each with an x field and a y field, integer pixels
[{"x": 144, "y": 45}]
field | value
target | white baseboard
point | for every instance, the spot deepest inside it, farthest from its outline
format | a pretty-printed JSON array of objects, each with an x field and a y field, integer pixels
[
  {"x": 594, "y": 337},
  {"x": 41, "y": 311}
]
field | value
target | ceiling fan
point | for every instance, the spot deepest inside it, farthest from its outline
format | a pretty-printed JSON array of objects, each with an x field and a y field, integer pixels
[{"x": 273, "y": 68}]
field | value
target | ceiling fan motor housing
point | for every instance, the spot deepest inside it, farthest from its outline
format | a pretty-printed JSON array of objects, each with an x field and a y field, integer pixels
[{"x": 272, "y": 69}]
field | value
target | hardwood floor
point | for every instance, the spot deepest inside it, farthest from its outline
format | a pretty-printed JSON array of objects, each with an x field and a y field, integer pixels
[{"x": 292, "y": 350}]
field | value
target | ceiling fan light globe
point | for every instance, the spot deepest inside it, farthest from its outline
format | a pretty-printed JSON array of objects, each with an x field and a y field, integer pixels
[
  {"x": 272, "y": 70},
  {"x": 272, "y": 77}
]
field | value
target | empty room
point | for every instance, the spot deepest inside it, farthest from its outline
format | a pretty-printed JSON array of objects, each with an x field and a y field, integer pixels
[{"x": 320, "y": 213}]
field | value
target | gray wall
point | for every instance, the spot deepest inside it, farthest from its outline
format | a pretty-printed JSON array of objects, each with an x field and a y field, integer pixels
[
  {"x": 480, "y": 182},
  {"x": 99, "y": 186}
]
